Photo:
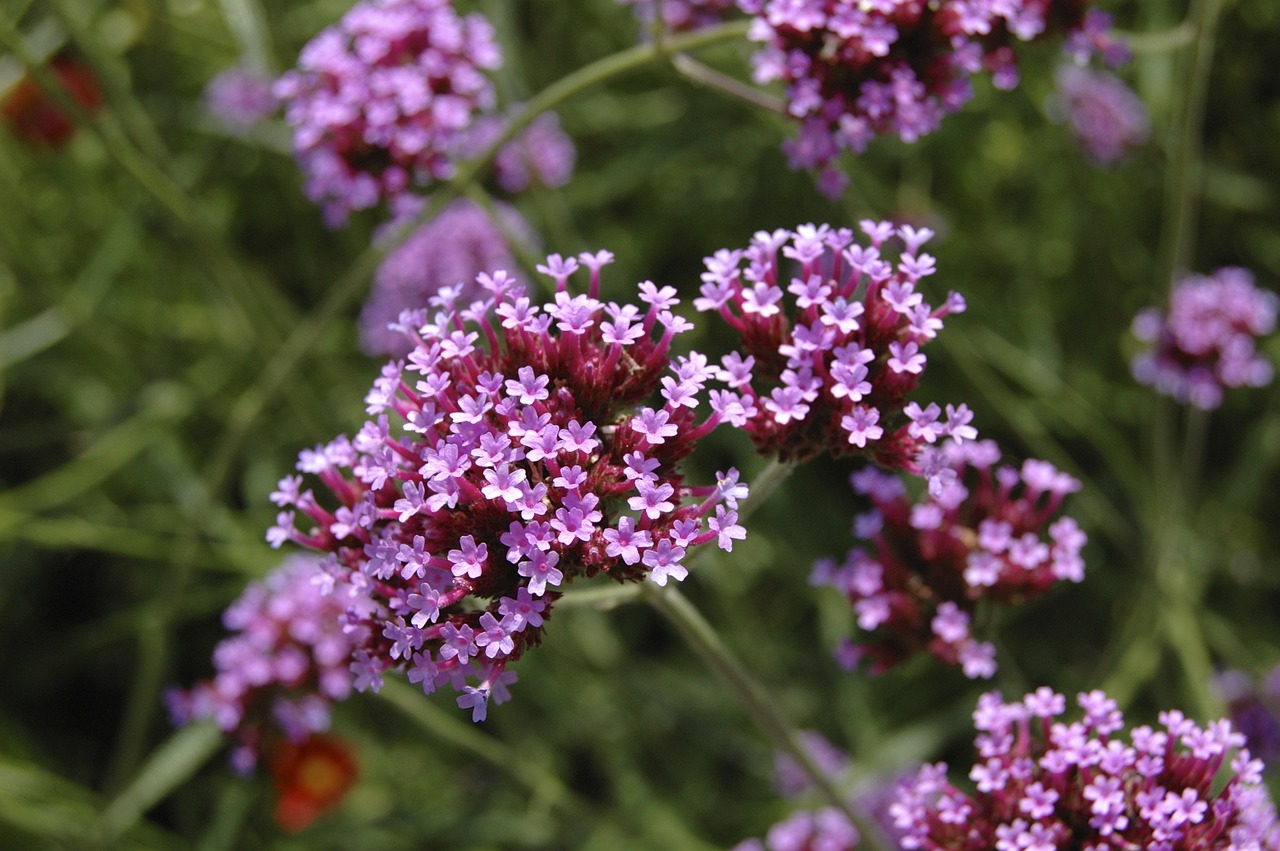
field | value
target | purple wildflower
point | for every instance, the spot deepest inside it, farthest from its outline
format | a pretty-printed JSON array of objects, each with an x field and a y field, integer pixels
[
  {"x": 1254, "y": 709},
  {"x": 541, "y": 154},
  {"x": 986, "y": 535},
  {"x": 854, "y": 71},
  {"x": 1205, "y": 343},
  {"x": 287, "y": 659},
  {"x": 682, "y": 15},
  {"x": 447, "y": 252},
  {"x": 379, "y": 100},
  {"x": 833, "y": 373},
  {"x": 239, "y": 98},
  {"x": 534, "y": 448},
  {"x": 1043, "y": 783},
  {"x": 1104, "y": 114}
]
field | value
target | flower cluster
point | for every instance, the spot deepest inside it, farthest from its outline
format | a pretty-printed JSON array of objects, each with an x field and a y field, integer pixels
[
  {"x": 1043, "y": 784},
  {"x": 380, "y": 99},
  {"x": 529, "y": 451},
  {"x": 827, "y": 829},
  {"x": 682, "y": 15},
  {"x": 1254, "y": 708},
  {"x": 239, "y": 98},
  {"x": 541, "y": 154},
  {"x": 1205, "y": 343},
  {"x": 460, "y": 242},
  {"x": 981, "y": 537},
  {"x": 854, "y": 71},
  {"x": 834, "y": 375},
  {"x": 1104, "y": 114},
  {"x": 287, "y": 660}
]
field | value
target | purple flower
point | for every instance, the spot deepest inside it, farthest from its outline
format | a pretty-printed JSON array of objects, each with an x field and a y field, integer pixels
[
  {"x": 289, "y": 652},
  {"x": 239, "y": 98},
  {"x": 380, "y": 100},
  {"x": 541, "y": 154},
  {"x": 1104, "y": 114},
  {"x": 1205, "y": 343},
  {"x": 854, "y": 71},
  {"x": 982, "y": 536},
  {"x": 1044, "y": 784},
  {"x": 517, "y": 448},
  {"x": 682, "y": 15},
  {"x": 833, "y": 372}
]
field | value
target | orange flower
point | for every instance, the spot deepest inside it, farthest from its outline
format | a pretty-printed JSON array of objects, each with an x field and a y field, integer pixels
[{"x": 311, "y": 778}]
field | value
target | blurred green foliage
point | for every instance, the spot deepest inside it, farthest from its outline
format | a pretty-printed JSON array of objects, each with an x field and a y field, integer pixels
[{"x": 146, "y": 310}]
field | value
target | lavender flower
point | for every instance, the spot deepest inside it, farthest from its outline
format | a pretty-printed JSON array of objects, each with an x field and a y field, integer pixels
[
  {"x": 1104, "y": 114},
  {"x": 1254, "y": 709},
  {"x": 527, "y": 451},
  {"x": 854, "y": 71},
  {"x": 832, "y": 373},
  {"x": 239, "y": 98},
  {"x": 1205, "y": 343},
  {"x": 981, "y": 537},
  {"x": 827, "y": 829},
  {"x": 286, "y": 661},
  {"x": 682, "y": 15},
  {"x": 541, "y": 153},
  {"x": 448, "y": 251},
  {"x": 1044, "y": 784},
  {"x": 380, "y": 99}
]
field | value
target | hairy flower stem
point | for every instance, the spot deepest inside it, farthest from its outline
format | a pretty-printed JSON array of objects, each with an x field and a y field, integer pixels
[{"x": 700, "y": 636}]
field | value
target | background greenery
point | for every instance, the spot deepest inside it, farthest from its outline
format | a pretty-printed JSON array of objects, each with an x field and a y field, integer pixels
[{"x": 176, "y": 322}]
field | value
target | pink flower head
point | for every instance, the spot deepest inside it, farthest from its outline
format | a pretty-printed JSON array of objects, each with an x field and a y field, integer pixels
[
  {"x": 1104, "y": 114},
  {"x": 519, "y": 447},
  {"x": 985, "y": 535},
  {"x": 379, "y": 100}
]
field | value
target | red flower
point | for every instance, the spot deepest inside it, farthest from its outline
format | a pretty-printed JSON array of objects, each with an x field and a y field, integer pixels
[
  {"x": 311, "y": 778},
  {"x": 36, "y": 118}
]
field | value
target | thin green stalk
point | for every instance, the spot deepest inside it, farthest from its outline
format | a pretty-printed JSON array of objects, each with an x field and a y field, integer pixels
[
  {"x": 704, "y": 75},
  {"x": 757, "y": 700}
]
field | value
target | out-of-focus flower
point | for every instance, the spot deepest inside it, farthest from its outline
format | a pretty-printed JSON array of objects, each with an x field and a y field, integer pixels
[
  {"x": 830, "y": 369},
  {"x": 1104, "y": 114},
  {"x": 532, "y": 445},
  {"x": 1254, "y": 708},
  {"x": 287, "y": 660},
  {"x": 379, "y": 100},
  {"x": 1205, "y": 343},
  {"x": 449, "y": 251},
  {"x": 541, "y": 154},
  {"x": 239, "y": 97},
  {"x": 682, "y": 15},
  {"x": 1043, "y": 783},
  {"x": 311, "y": 777},
  {"x": 854, "y": 71},
  {"x": 35, "y": 118},
  {"x": 827, "y": 829},
  {"x": 986, "y": 535}
]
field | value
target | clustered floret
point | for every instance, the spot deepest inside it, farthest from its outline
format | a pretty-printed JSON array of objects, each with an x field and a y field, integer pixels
[
  {"x": 541, "y": 154},
  {"x": 287, "y": 660},
  {"x": 833, "y": 373},
  {"x": 1205, "y": 343},
  {"x": 826, "y": 829},
  {"x": 240, "y": 97},
  {"x": 1254, "y": 709},
  {"x": 1043, "y": 784},
  {"x": 459, "y": 243},
  {"x": 981, "y": 537},
  {"x": 379, "y": 100},
  {"x": 682, "y": 15},
  {"x": 857, "y": 70},
  {"x": 1106, "y": 116},
  {"x": 530, "y": 451}
]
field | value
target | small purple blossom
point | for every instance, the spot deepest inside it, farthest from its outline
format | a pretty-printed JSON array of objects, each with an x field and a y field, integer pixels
[
  {"x": 1104, "y": 114},
  {"x": 239, "y": 97}
]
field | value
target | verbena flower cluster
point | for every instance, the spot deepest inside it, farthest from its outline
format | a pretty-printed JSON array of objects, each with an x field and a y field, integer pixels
[
  {"x": 459, "y": 243},
  {"x": 826, "y": 829},
  {"x": 682, "y": 15},
  {"x": 1205, "y": 342},
  {"x": 239, "y": 97},
  {"x": 1254, "y": 709},
  {"x": 287, "y": 659},
  {"x": 379, "y": 100},
  {"x": 1043, "y": 784},
  {"x": 986, "y": 535},
  {"x": 1105, "y": 115},
  {"x": 518, "y": 447},
  {"x": 857, "y": 70},
  {"x": 830, "y": 369},
  {"x": 541, "y": 154}
]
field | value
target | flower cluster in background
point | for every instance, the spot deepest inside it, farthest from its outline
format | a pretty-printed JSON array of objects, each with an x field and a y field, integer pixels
[
  {"x": 35, "y": 118},
  {"x": 287, "y": 659},
  {"x": 541, "y": 154},
  {"x": 239, "y": 97},
  {"x": 855, "y": 71},
  {"x": 379, "y": 100},
  {"x": 832, "y": 374},
  {"x": 459, "y": 243},
  {"x": 1204, "y": 343},
  {"x": 1254, "y": 708},
  {"x": 1043, "y": 783},
  {"x": 1106, "y": 116},
  {"x": 986, "y": 535},
  {"x": 310, "y": 777},
  {"x": 526, "y": 454},
  {"x": 682, "y": 15}
]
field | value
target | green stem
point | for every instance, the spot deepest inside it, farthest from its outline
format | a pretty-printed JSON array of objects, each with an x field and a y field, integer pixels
[
  {"x": 758, "y": 702},
  {"x": 703, "y": 75}
]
